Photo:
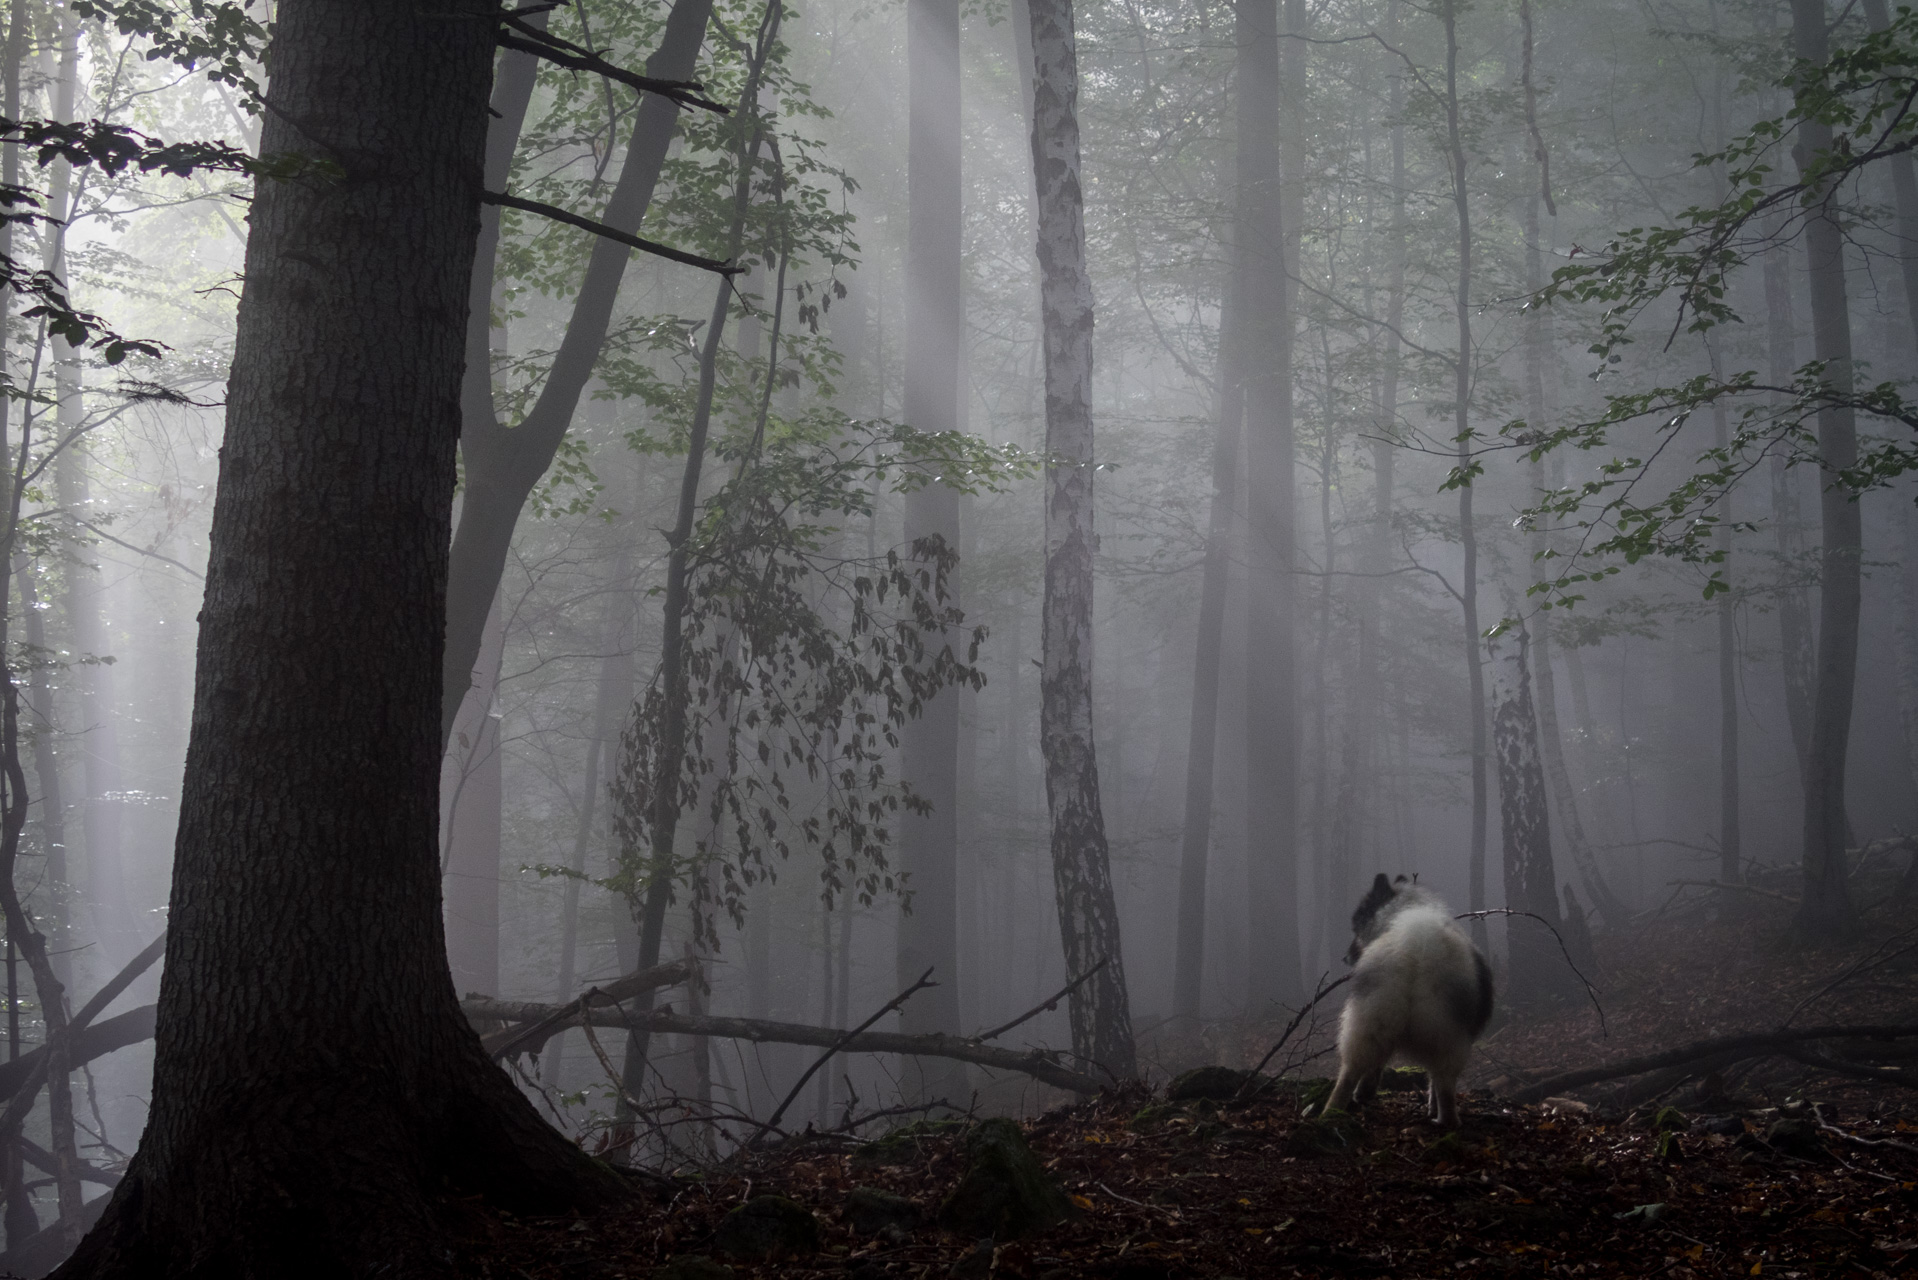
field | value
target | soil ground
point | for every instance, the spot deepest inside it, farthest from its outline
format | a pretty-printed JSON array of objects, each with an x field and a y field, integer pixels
[{"x": 1670, "y": 1178}]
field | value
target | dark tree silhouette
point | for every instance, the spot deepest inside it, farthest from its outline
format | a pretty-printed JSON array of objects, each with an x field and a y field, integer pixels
[{"x": 315, "y": 1086}]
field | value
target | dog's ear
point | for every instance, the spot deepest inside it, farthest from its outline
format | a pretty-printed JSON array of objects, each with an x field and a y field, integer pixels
[
  {"x": 1380, "y": 894},
  {"x": 1402, "y": 879}
]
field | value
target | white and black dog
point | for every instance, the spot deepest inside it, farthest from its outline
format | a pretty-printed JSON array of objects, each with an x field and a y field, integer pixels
[{"x": 1420, "y": 991}]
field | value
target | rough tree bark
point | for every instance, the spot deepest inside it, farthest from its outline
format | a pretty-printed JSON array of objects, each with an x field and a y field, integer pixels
[
  {"x": 315, "y": 1086},
  {"x": 503, "y": 464},
  {"x": 1271, "y": 695},
  {"x": 1536, "y": 970},
  {"x": 935, "y": 331},
  {"x": 1825, "y": 910},
  {"x": 1081, "y": 863}
]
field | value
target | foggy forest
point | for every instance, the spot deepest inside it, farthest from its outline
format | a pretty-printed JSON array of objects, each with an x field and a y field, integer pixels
[{"x": 1134, "y": 638}]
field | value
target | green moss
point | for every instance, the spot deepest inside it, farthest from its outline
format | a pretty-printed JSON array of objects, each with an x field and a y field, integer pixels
[
  {"x": 1005, "y": 1192},
  {"x": 767, "y": 1228}
]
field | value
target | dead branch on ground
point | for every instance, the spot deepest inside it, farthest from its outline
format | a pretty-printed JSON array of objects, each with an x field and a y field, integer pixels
[{"x": 1755, "y": 1041}]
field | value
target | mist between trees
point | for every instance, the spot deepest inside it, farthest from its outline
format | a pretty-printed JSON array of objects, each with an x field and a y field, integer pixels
[{"x": 1471, "y": 437}]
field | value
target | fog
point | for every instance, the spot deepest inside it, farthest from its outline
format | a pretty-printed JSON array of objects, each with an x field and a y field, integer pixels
[{"x": 1632, "y": 688}]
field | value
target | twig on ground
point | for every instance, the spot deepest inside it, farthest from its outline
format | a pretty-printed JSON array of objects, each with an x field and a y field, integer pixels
[
  {"x": 1827, "y": 1126},
  {"x": 1739, "y": 888},
  {"x": 925, "y": 980},
  {"x": 1591, "y": 992},
  {"x": 1323, "y": 991},
  {"x": 1871, "y": 961}
]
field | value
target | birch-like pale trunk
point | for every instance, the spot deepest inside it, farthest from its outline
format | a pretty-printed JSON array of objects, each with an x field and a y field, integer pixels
[
  {"x": 1825, "y": 910},
  {"x": 1081, "y": 864},
  {"x": 1536, "y": 969}
]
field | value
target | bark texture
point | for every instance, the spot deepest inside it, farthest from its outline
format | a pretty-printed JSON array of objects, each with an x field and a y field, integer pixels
[
  {"x": 1537, "y": 970},
  {"x": 1081, "y": 864},
  {"x": 1825, "y": 910},
  {"x": 935, "y": 324},
  {"x": 315, "y": 1085}
]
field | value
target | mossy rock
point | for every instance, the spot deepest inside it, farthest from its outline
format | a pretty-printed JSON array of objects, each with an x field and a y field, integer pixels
[
  {"x": 1669, "y": 1147},
  {"x": 1670, "y": 1120},
  {"x": 869, "y": 1211},
  {"x": 1311, "y": 1092},
  {"x": 906, "y": 1145},
  {"x": 685, "y": 1266},
  {"x": 1447, "y": 1148},
  {"x": 1005, "y": 1192},
  {"x": 1334, "y": 1133},
  {"x": 767, "y": 1228},
  {"x": 1220, "y": 1084},
  {"x": 1404, "y": 1080},
  {"x": 1795, "y": 1138}
]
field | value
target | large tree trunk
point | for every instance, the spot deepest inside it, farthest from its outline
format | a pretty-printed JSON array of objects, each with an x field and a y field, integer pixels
[
  {"x": 1081, "y": 863},
  {"x": 316, "y": 1090},
  {"x": 503, "y": 464},
  {"x": 1271, "y": 710},
  {"x": 1794, "y": 613},
  {"x": 1825, "y": 909},
  {"x": 1461, "y": 422},
  {"x": 928, "y": 937}
]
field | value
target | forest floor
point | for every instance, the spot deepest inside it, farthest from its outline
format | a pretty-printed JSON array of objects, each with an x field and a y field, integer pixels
[{"x": 1671, "y": 1177}]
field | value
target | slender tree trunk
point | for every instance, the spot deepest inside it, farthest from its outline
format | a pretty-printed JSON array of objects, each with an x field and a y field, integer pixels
[
  {"x": 46, "y": 772},
  {"x": 1271, "y": 698},
  {"x": 1202, "y": 740},
  {"x": 1461, "y": 420},
  {"x": 1825, "y": 909},
  {"x": 471, "y": 806},
  {"x": 613, "y": 694},
  {"x": 1730, "y": 836},
  {"x": 1794, "y": 612},
  {"x": 928, "y": 937},
  {"x": 316, "y": 1090},
  {"x": 1536, "y": 969},
  {"x": 1081, "y": 863},
  {"x": 502, "y": 465},
  {"x": 1538, "y": 354},
  {"x": 648, "y": 832}
]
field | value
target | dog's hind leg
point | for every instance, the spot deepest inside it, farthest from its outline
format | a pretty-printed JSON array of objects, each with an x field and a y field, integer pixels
[
  {"x": 1368, "y": 1087},
  {"x": 1443, "y": 1098},
  {"x": 1361, "y": 1058}
]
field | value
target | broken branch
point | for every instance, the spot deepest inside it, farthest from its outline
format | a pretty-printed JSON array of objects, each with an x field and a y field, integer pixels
[
  {"x": 925, "y": 980},
  {"x": 641, "y": 243}
]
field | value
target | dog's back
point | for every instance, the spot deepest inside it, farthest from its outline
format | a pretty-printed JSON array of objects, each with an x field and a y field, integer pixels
[{"x": 1420, "y": 991}]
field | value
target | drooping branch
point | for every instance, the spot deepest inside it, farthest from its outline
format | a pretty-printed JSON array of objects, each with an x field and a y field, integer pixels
[{"x": 641, "y": 243}]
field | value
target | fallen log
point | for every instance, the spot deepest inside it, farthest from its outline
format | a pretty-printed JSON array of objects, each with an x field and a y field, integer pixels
[
  {"x": 538, "y": 1023},
  {"x": 1756, "y": 1041},
  {"x": 1037, "y": 1063}
]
